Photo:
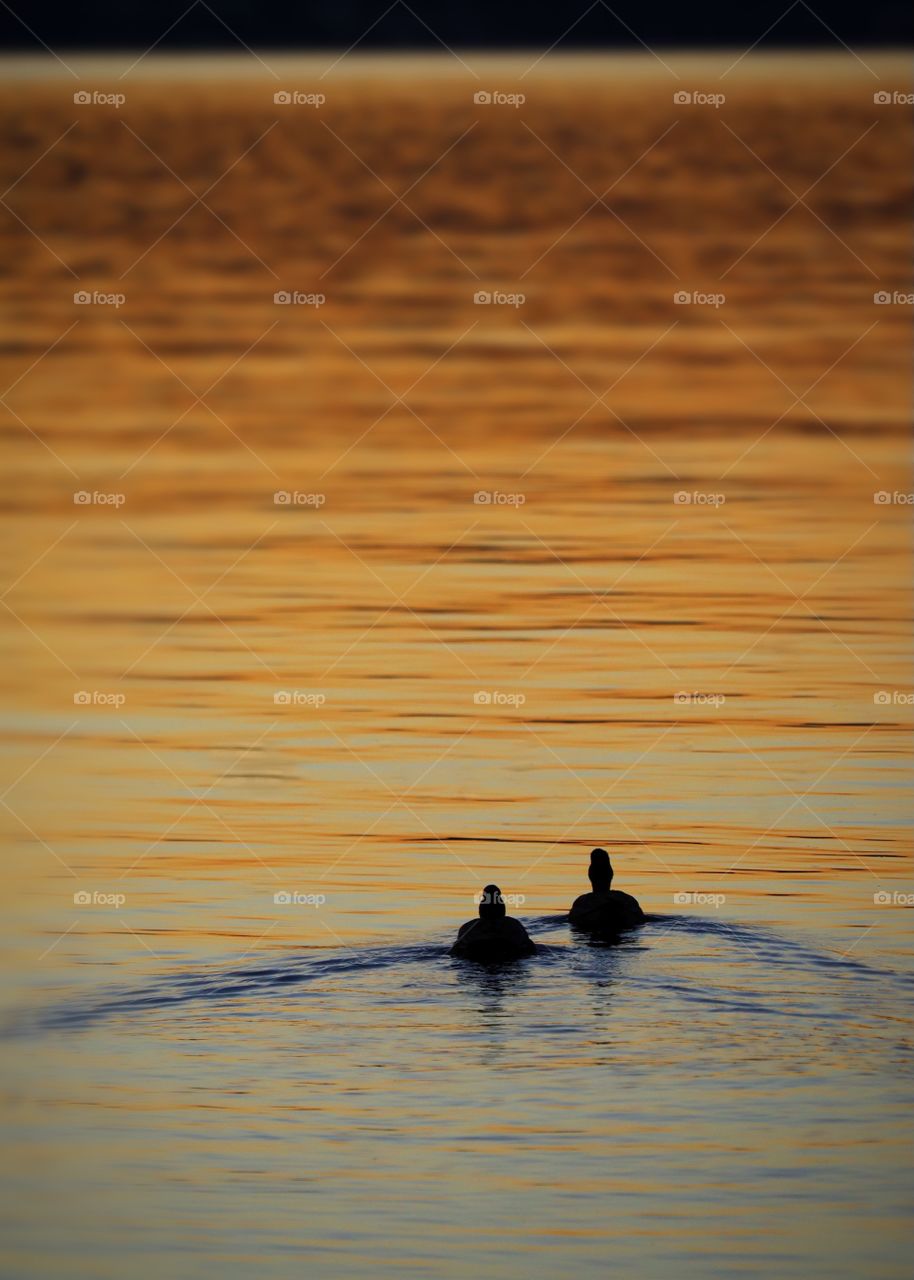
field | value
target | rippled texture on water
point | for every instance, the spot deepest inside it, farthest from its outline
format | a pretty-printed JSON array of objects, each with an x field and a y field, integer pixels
[{"x": 200, "y": 1078}]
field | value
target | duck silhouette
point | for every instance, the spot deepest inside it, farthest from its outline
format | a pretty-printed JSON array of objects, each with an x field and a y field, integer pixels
[
  {"x": 605, "y": 910},
  {"x": 494, "y": 935}
]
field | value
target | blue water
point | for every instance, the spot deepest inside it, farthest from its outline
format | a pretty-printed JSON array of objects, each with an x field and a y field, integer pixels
[
  {"x": 703, "y": 1098},
  {"x": 592, "y": 957}
]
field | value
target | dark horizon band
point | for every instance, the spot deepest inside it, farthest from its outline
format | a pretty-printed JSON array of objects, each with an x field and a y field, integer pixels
[{"x": 376, "y": 26}]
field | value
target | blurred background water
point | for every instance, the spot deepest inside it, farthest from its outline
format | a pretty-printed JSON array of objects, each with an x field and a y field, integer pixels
[{"x": 676, "y": 625}]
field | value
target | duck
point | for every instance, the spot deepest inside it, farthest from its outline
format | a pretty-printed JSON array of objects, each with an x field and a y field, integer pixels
[
  {"x": 605, "y": 910},
  {"x": 494, "y": 935}
]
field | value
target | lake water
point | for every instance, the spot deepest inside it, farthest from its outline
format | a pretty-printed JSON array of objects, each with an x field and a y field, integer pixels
[{"x": 261, "y": 754}]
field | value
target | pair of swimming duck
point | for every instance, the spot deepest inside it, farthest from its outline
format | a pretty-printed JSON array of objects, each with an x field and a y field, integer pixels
[{"x": 496, "y": 936}]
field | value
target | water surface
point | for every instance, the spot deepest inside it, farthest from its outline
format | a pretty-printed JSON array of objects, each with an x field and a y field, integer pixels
[{"x": 385, "y": 699}]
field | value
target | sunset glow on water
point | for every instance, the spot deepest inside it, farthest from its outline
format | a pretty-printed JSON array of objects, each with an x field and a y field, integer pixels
[{"x": 324, "y": 612}]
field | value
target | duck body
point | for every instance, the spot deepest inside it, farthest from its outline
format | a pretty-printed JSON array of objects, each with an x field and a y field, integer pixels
[
  {"x": 492, "y": 940},
  {"x": 608, "y": 911}
]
